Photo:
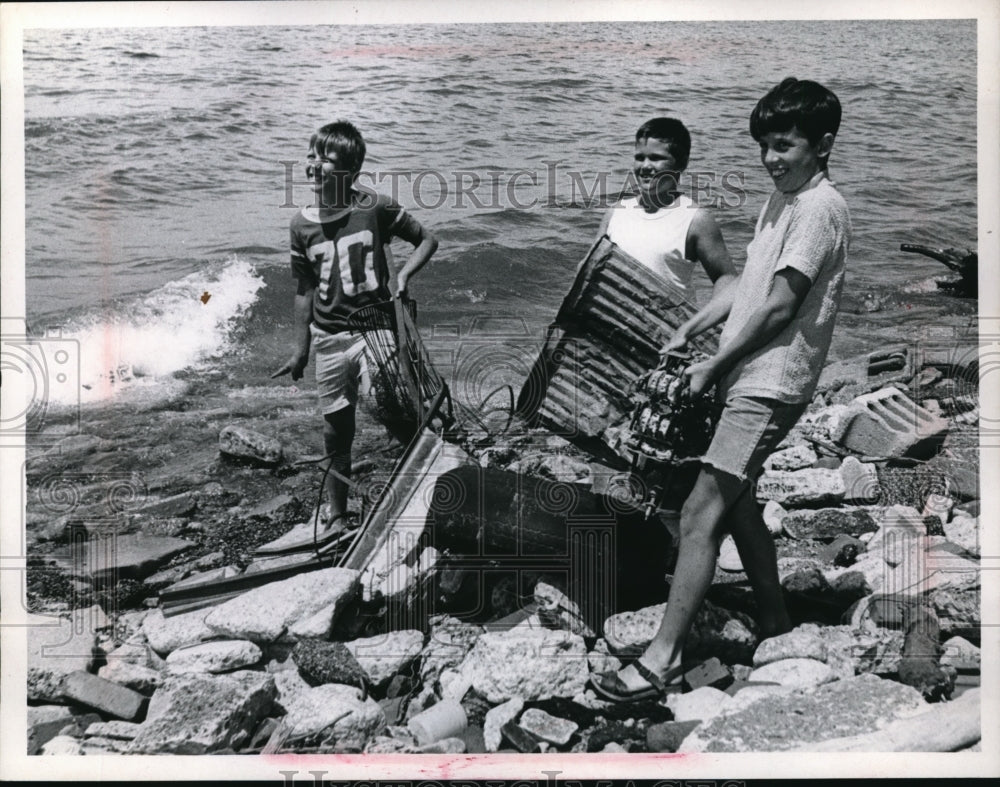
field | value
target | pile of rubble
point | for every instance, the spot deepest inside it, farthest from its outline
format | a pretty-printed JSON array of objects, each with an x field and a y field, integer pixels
[{"x": 874, "y": 509}]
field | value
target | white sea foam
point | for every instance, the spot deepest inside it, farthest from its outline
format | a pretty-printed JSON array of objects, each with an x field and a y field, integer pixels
[{"x": 180, "y": 325}]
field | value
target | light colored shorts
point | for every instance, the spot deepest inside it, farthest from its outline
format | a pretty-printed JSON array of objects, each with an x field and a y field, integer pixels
[
  {"x": 749, "y": 431},
  {"x": 341, "y": 369}
]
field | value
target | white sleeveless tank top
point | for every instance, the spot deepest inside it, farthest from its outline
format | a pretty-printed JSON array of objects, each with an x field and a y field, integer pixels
[{"x": 657, "y": 240}]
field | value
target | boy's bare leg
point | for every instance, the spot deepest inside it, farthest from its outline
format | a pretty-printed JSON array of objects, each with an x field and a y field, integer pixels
[
  {"x": 760, "y": 561},
  {"x": 338, "y": 437},
  {"x": 701, "y": 529}
]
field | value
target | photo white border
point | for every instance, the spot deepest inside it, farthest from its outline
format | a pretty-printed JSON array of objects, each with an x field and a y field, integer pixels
[{"x": 16, "y": 17}]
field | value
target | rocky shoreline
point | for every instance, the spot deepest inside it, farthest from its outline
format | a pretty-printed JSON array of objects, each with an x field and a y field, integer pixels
[{"x": 873, "y": 503}]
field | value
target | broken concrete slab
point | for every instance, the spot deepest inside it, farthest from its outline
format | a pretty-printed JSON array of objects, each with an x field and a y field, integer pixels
[
  {"x": 730, "y": 635},
  {"x": 334, "y": 710},
  {"x": 495, "y": 720},
  {"x": 701, "y": 704},
  {"x": 198, "y": 714},
  {"x": 385, "y": 655},
  {"x": 794, "y": 457},
  {"x": 963, "y": 530},
  {"x": 62, "y": 746},
  {"x": 103, "y": 695},
  {"x": 167, "y": 634},
  {"x": 181, "y": 505},
  {"x": 44, "y": 722},
  {"x": 109, "y": 558},
  {"x": 806, "y": 716},
  {"x": 547, "y": 727},
  {"x": 809, "y": 487},
  {"x": 825, "y": 524},
  {"x": 861, "y": 481},
  {"x": 131, "y": 675},
  {"x": 711, "y": 672},
  {"x": 118, "y": 730},
  {"x": 888, "y": 423},
  {"x": 242, "y": 443},
  {"x": 794, "y": 672},
  {"x": 530, "y": 663},
  {"x": 266, "y": 613},
  {"x": 57, "y": 647},
  {"x": 215, "y": 656},
  {"x": 729, "y": 556},
  {"x": 803, "y": 642}
]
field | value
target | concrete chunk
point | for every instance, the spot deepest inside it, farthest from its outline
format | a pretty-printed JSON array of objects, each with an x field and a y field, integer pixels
[
  {"x": 812, "y": 486},
  {"x": 215, "y": 656},
  {"x": 198, "y": 714},
  {"x": 103, "y": 695},
  {"x": 888, "y": 423},
  {"x": 131, "y": 556},
  {"x": 265, "y": 613},
  {"x": 547, "y": 727},
  {"x": 242, "y": 443}
]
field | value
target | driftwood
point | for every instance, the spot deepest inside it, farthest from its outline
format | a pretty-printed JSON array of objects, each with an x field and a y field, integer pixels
[{"x": 946, "y": 727}]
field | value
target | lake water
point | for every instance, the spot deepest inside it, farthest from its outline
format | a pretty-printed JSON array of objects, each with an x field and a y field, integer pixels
[{"x": 165, "y": 164}]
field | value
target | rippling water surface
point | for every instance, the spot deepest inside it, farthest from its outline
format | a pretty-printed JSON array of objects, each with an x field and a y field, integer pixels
[{"x": 166, "y": 163}]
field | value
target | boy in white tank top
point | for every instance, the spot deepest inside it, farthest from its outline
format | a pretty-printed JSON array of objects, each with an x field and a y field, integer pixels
[{"x": 662, "y": 228}]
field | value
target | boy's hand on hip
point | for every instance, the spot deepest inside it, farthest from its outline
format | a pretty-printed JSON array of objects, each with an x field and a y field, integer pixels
[
  {"x": 701, "y": 376},
  {"x": 296, "y": 365}
]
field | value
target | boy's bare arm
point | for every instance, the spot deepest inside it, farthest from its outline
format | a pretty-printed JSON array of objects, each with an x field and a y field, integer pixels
[
  {"x": 709, "y": 248},
  {"x": 425, "y": 244},
  {"x": 302, "y": 311},
  {"x": 787, "y": 293}
]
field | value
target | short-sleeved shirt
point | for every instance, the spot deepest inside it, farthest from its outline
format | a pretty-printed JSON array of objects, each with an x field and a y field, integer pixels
[
  {"x": 809, "y": 231},
  {"x": 344, "y": 257}
]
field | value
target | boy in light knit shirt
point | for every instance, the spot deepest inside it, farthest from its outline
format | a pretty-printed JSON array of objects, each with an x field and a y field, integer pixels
[{"x": 781, "y": 315}]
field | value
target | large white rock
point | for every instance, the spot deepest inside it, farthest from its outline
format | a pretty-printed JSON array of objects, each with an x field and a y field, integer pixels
[
  {"x": 530, "y": 663},
  {"x": 804, "y": 642},
  {"x": 266, "y": 613},
  {"x": 336, "y": 710},
  {"x": 217, "y": 656},
  {"x": 496, "y": 718},
  {"x": 167, "y": 634},
  {"x": 797, "y": 673},
  {"x": 385, "y": 655},
  {"x": 812, "y": 486},
  {"x": 198, "y": 714},
  {"x": 702, "y": 704},
  {"x": 787, "y": 720}
]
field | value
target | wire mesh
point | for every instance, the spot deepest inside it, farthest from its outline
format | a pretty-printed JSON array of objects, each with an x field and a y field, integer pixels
[{"x": 404, "y": 381}]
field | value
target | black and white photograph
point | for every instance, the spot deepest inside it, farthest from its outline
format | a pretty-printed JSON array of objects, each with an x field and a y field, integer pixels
[{"x": 546, "y": 392}]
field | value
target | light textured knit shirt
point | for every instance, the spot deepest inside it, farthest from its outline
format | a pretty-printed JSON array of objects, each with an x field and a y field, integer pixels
[
  {"x": 809, "y": 231},
  {"x": 658, "y": 240}
]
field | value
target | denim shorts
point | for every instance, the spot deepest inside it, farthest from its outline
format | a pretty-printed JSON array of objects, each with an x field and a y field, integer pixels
[{"x": 750, "y": 429}]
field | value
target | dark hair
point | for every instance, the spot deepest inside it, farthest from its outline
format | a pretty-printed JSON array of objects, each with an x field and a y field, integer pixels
[
  {"x": 808, "y": 106},
  {"x": 346, "y": 142},
  {"x": 671, "y": 131}
]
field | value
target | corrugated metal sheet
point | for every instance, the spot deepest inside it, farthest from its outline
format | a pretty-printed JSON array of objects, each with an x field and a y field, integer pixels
[{"x": 608, "y": 331}]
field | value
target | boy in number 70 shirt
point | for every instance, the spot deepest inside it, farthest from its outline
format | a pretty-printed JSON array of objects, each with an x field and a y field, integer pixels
[{"x": 339, "y": 262}]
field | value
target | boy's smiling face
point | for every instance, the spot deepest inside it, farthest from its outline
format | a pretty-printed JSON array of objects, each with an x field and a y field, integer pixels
[
  {"x": 656, "y": 171},
  {"x": 331, "y": 181},
  {"x": 790, "y": 159}
]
